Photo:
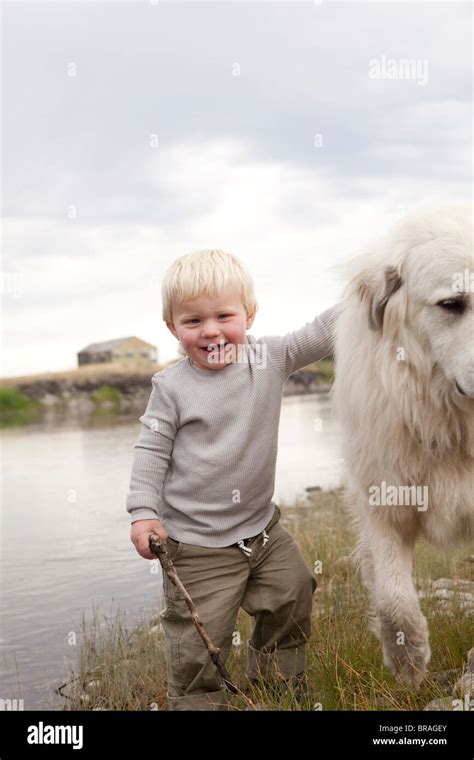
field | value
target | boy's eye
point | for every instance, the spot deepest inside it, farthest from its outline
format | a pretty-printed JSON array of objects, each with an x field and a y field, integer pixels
[{"x": 195, "y": 319}]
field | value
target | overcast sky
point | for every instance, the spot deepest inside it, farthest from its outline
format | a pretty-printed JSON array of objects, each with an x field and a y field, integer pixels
[{"x": 274, "y": 141}]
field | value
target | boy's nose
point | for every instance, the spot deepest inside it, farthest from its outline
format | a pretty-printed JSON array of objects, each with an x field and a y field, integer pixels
[{"x": 210, "y": 331}]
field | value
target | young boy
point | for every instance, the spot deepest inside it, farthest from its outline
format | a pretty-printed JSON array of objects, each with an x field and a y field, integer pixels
[{"x": 203, "y": 479}]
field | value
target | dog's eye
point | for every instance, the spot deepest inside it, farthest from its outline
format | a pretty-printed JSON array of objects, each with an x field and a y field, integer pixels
[{"x": 453, "y": 305}]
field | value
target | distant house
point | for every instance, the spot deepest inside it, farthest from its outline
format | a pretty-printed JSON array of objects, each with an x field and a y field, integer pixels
[{"x": 129, "y": 352}]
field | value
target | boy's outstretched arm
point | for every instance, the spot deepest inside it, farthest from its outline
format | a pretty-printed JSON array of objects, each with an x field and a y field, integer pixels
[
  {"x": 309, "y": 344},
  {"x": 150, "y": 463}
]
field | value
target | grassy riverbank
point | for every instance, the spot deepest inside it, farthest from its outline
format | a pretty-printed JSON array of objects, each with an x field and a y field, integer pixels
[
  {"x": 323, "y": 368},
  {"x": 17, "y": 409},
  {"x": 81, "y": 394},
  {"x": 124, "y": 669},
  {"x": 108, "y": 390},
  {"x": 87, "y": 371}
]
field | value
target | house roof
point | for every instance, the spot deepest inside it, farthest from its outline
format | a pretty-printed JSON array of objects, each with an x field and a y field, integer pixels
[{"x": 109, "y": 345}]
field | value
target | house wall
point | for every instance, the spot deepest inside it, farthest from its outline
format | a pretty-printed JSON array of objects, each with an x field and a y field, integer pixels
[
  {"x": 130, "y": 354},
  {"x": 96, "y": 357}
]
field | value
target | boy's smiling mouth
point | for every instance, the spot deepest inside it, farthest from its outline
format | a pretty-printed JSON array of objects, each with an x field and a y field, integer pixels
[{"x": 213, "y": 347}]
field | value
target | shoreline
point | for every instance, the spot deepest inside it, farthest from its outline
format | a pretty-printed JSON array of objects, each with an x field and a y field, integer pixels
[{"x": 104, "y": 393}]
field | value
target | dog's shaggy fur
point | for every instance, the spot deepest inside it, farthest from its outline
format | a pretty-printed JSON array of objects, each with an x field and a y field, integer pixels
[{"x": 404, "y": 391}]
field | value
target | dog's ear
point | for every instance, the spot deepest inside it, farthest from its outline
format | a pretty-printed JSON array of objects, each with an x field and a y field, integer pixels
[{"x": 375, "y": 290}]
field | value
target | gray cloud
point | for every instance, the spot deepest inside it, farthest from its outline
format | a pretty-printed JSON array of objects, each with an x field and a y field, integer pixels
[
  {"x": 236, "y": 166},
  {"x": 167, "y": 69}
]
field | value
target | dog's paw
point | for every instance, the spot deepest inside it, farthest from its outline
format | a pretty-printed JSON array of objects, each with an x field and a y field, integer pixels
[
  {"x": 406, "y": 651},
  {"x": 411, "y": 669}
]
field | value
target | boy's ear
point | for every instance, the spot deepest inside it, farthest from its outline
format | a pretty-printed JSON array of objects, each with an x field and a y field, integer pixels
[
  {"x": 172, "y": 329},
  {"x": 250, "y": 318}
]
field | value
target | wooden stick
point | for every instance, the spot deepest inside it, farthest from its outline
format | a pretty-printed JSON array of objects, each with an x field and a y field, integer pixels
[{"x": 158, "y": 548}]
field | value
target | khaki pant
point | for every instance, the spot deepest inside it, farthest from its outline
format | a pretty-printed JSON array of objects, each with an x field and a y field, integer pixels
[{"x": 274, "y": 585}]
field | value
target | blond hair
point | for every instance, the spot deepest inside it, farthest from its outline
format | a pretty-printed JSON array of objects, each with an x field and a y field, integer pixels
[{"x": 206, "y": 272}]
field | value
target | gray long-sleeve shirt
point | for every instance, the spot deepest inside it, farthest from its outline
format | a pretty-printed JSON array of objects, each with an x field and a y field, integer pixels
[{"x": 204, "y": 463}]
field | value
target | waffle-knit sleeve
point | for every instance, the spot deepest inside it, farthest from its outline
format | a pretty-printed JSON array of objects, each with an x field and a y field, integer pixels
[
  {"x": 152, "y": 453},
  {"x": 309, "y": 344}
]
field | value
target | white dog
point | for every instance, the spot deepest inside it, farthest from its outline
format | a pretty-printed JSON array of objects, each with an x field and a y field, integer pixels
[{"x": 404, "y": 391}]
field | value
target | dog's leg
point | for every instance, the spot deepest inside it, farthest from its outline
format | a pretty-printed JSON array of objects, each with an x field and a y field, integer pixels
[{"x": 398, "y": 620}]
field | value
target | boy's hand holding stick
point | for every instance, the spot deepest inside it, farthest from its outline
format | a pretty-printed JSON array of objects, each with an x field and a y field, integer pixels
[{"x": 158, "y": 548}]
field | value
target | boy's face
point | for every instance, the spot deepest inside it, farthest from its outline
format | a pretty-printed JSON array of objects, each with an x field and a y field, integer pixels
[{"x": 210, "y": 321}]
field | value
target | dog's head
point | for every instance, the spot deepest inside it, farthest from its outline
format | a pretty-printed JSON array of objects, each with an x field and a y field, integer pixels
[{"x": 418, "y": 292}]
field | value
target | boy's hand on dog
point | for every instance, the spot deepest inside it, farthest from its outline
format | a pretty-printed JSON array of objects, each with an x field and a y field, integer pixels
[{"x": 140, "y": 532}]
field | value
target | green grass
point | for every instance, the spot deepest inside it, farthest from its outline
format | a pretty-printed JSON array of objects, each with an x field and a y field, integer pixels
[
  {"x": 122, "y": 669},
  {"x": 107, "y": 400},
  {"x": 323, "y": 369},
  {"x": 17, "y": 409}
]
